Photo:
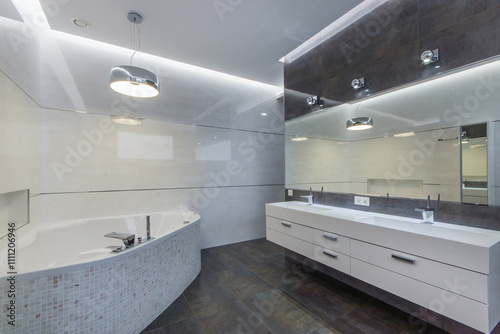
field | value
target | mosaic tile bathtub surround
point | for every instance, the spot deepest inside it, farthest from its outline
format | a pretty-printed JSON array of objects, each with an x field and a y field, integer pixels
[{"x": 121, "y": 296}]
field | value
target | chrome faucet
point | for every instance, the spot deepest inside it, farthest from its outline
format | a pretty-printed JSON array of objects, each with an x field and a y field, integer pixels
[
  {"x": 427, "y": 212},
  {"x": 309, "y": 197},
  {"x": 128, "y": 239},
  {"x": 148, "y": 227}
]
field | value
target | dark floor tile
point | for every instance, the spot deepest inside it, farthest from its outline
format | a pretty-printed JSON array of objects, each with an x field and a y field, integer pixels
[
  {"x": 326, "y": 330},
  {"x": 270, "y": 271},
  {"x": 278, "y": 258},
  {"x": 211, "y": 258},
  {"x": 260, "y": 249},
  {"x": 206, "y": 291},
  {"x": 362, "y": 322},
  {"x": 399, "y": 318},
  {"x": 277, "y": 274},
  {"x": 320, "y": 301},
  {"x": 230, "y": 318},
  {"x": 177, "y": 311},
  {"x": 281, "y": 314},
  {"x": 189, "y": 325},
  {"x": 340, "y": 288},
  {"x": 242, "y": 283}
]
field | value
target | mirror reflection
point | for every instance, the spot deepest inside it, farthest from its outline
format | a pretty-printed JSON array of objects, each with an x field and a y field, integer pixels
[
  {"x": 474, "y": 164},
  {"x": 414, "y": 148}
]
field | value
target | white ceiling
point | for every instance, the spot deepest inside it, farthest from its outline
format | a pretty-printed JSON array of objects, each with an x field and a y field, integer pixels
[
  {"x": 238, "y": 37},
  {"x": 8, "y": 10}
]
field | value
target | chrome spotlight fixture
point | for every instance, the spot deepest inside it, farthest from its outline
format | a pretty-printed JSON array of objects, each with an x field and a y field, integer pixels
[
  {"x": 429, "y": 57},
  {"x": 359, "y": 123},
  {"x": 131, "y": 80},
  {"x": 315, "y": 100},
  {"x": 358, "y": 83}
]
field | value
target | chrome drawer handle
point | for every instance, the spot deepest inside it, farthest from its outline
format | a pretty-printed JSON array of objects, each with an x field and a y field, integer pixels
[
  {"x": 330, "y": 237},
  {"x": 286, "y": 224},
  {"x": 330, "y": 254},
  {"x": 403, "y": 258}
]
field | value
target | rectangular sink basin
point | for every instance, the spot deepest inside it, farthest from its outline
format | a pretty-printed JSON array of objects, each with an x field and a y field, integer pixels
[
  {"x": 306, "y": 207},
  {"x": 389, "y": 221}
]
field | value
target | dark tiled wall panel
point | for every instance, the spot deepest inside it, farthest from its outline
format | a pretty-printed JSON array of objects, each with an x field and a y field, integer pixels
[
  {"x": 447, "y": 212},
  {"x": 385, "y": 45}
]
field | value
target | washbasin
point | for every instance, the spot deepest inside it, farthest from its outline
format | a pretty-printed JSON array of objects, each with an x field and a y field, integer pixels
[
  {"x": 306, "y": 207},
  {"x": 376, "y": 220}
]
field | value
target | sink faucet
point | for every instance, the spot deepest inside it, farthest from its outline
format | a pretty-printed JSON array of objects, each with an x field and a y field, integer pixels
[
  {"x": 427, "y": 212},
  {"x": 309, "y": 197},
  {"x": 128, "y": 239}
]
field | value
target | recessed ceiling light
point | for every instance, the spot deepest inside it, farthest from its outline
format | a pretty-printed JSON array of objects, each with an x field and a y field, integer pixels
[
  {"x": 299, "y": 138},
  {"x": 124, "y": 120},
  {"x": 263, "y": 114},
  {"x": 406, "y": 134},
  {"x": 81, "y": 23}
]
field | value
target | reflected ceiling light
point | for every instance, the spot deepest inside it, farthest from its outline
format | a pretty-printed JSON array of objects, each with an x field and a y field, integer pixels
[
  {"x": 358, "y": 83},
  {"x": 429, "y": 57},
  {"x": 131, "y": 80},
  {"x": 124, "y": 120},
  {"x": 299, "y": 138},
  {"x": 359, "y": 123},
  {"x": 80, "y": 23},
  {"x": 406, "y": 134},
  {"x": 464, "y": 137},
  {"x": 315, "y": 100}
]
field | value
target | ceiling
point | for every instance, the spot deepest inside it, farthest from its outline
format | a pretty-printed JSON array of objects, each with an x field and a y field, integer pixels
[
  {"x": 8, "y": 10},
  {"x": 237, "y": 37}
]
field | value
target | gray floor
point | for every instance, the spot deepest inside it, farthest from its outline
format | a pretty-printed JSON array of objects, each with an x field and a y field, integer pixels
[{"x": 248, "y": 288}]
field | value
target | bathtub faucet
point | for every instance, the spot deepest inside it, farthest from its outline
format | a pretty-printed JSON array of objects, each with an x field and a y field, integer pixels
[
  {"x": 148, "y": 227},
  {"x": 128, "y": 239}
]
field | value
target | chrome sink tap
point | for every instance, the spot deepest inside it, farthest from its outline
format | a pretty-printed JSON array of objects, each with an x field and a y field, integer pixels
[
  {"x": 427, "y": 212},
  {"x": 309, "y": 197}
]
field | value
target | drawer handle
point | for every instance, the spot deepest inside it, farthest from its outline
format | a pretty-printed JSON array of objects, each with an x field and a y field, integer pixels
[
  {"x": 286, "y": 224},
  {"x": 330, "y": 254},
  {"x": 403, "y": 258},
  {"x": 330, "y": 237}
]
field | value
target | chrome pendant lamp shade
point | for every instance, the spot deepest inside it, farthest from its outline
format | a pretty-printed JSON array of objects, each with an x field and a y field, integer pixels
[
  {"x": 359, "y": 123},
  {"x": 134, "y": 81}
]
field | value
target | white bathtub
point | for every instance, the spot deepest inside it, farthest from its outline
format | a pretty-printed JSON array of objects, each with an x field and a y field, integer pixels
[{"x": 69, "y": 281}]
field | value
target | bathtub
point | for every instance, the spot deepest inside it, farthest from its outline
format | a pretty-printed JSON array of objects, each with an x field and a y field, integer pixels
[{"x": 68, "y": 280}]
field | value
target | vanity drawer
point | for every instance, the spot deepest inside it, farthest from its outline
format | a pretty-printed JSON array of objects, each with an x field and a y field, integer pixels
[
  {"x": 332, "y": 241},
  {"x": 333, "y": 259},
  {"x": 457, "y": 280},
  {"x": 291, "y": 243},
  {"x": 457, "y": 307},
  {"x": 292, "y": 229}
]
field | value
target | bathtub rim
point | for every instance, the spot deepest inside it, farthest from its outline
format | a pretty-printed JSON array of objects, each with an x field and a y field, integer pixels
[{"x": 22, "y": 277}]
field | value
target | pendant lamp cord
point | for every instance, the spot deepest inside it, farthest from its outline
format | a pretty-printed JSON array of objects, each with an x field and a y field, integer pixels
[
  {"x": 356, "y": 111},
  {"x": 139, "y": 35}
]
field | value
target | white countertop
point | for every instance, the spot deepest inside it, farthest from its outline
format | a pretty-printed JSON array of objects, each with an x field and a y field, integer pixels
[{"x": 438, "y": 240}]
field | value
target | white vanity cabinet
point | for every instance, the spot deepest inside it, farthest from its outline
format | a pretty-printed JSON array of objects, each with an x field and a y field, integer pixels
[{"x": 452, "y": 270}]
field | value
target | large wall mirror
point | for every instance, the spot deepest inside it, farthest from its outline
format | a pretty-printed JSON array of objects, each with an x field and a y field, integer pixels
[{"x": 416, "y": 147}]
